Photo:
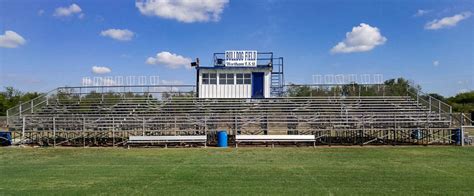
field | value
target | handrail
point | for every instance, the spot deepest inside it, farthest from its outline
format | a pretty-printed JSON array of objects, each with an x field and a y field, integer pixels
[
  {"x": 418, "y": 95},
  {"x": 29, "y": 107},
  {"x": 29, "y": 103},
  {"x": 128, "y": 86}
]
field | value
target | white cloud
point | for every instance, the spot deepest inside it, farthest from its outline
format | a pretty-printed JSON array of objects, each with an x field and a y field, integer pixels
[
  {"x": 11, "y": 39},
  {"x": 170, "y": 60},
  {"x": 447, "y": 21},
  {"x": 40, "y": 12},
  {"x": 436, "y": 63},
  {"x": 68, "y": 11},
  {"x": 362, "y": 38},
  {"x": 422, "y": 12},
  {"x": 100, "y": 70},
  {"x": 183, "y": 10},
  {"x": 118, "y": 34}
]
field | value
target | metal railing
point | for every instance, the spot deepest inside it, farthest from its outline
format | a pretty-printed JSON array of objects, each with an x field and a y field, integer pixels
[
  {"x": 160, "y": 92},
  {"x": 430, "y": 102},
  {"x": 337, "y": 90},
  {"x": 157, "y": 91}
]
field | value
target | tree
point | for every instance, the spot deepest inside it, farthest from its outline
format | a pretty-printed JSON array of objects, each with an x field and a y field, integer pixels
[
  {"x": 462, "y": 102},
  {"x": 400, "y": 87},
  {"x": 11, "y": 97}
]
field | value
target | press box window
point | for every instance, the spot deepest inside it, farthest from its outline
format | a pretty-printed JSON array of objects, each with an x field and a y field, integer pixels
[
  {"x": 226, "y": 78},
  {"x": 244, "y": 79},
  {"x": 209, "y": 78}
]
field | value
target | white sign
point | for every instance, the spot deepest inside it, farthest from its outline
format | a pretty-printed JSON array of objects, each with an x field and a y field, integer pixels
[{"x": 241, "y": 58}]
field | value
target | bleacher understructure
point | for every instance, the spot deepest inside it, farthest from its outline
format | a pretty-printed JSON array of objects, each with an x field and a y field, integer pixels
[{"x": 107, "y": 116}]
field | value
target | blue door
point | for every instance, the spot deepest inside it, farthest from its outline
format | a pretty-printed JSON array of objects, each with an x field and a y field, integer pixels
[{"x": 257, "y": 85}]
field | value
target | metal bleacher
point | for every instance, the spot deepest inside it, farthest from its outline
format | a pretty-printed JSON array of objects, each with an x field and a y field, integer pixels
[{"x": 83, "y": 116}]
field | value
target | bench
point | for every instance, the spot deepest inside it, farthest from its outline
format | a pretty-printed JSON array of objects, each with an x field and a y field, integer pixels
[
  {"x": 274, "y": 138},
  {"x": 167, "y": 139}
]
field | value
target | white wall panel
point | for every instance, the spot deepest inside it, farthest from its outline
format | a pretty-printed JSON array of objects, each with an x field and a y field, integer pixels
[{"x": 231, "y": 91}]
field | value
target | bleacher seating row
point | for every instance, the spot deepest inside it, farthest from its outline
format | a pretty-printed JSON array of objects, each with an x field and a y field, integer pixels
[{"x": 242, "y": 115}]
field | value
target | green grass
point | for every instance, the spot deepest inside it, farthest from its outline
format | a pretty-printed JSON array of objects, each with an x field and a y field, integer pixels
[{"x": 248, "y": 171}]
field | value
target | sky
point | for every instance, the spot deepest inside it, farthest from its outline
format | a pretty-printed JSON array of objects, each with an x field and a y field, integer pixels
[{"x": 52, "y": 43}]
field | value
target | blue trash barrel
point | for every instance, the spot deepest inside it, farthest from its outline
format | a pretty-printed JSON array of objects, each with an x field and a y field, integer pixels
[
  {"x": 222, "y": 139},
  {"x": 5, "y": 138},
  {"x": 416, "y": 134},
  {"x": 456, "y": 136}
]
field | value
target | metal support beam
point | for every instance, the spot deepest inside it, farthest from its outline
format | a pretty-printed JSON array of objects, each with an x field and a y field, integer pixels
[
  {"x": 83, "y": 130},
  {"x": 23, "y": 131},
  {"x": 113, "y": 132},
  {"x": 54, "y": 131}
]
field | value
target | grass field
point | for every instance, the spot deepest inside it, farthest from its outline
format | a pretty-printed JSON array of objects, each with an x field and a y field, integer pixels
[{"x": 212, "y": 171}]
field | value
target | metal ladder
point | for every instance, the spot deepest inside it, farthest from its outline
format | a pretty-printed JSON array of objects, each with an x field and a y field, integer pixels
[{"x": 277, "y": 78}]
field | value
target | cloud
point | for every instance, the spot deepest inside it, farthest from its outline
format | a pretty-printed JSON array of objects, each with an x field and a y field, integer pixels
[
  {"x": 118, "y": 34},
  {"x": 422, "y": 12},
  {"x": 183, "y": 10},
  {"x": 170, "y": 60},
  {"x": 436, "y": 63},
  {"x": 100, "y": 70},
  {"x": 362, "y": 38},
  {"x": 447, "y": 21},
  {"x": 68, "y": 11},
  {"x": 40, "y": 12},
  {"x": 11, "y": 39}
]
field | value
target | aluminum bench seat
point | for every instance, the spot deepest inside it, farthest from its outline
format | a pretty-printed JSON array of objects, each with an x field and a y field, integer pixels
[
  {"x": 167, "y": 139},
  {"x": 274, "y": 138}
]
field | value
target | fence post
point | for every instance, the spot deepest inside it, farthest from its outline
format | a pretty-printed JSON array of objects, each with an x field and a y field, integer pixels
[
  {"x": 205, "y": 124},
  {"x": 359, "y": 91},
  {"x": 20, "y": 108},
  {"x": 31, "y": 106},
  {"x": 23, "y": 131},
  {"x": 143, "y": 126},
  {"x": 113, "y": 132},
  {"x": 430, "y": 102},
  {"x": 439, "y": 106},
  {"x": 83, "y": 130},
  {"x": 54, "y": 131},
  {"x": 450, "y": 115}
]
